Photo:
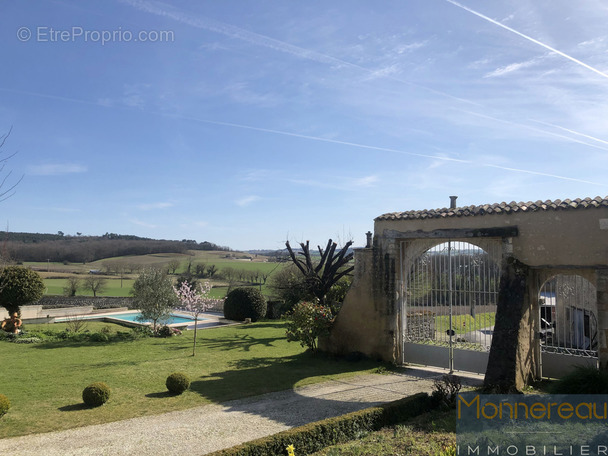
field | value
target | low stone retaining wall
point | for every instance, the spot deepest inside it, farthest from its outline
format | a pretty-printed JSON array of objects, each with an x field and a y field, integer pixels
[
  {"x": 51, "y": 302},
  {"x": 61, "y": 306},
  {"x": 420, "y": 325}
]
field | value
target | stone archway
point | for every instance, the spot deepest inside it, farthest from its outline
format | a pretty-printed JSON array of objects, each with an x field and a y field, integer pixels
[
  {"x": 448, "y": 302},
  {"x": 568, "y": 324},
  {"x": 537, "y": 239}
]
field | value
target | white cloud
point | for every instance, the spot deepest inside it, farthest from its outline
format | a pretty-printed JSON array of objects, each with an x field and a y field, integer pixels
[
  {"x": 247, "y": 200},
  {"x": 153, "y": 206},
  {"x": 144, "y": 224},
  {"x": 56, "y": 169},
  {"x": 366, "y": 181},
  {"x": 510, "y": 68}
]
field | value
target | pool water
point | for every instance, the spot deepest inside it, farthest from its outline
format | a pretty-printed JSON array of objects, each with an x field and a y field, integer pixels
[{"x": 136, "y": 317}]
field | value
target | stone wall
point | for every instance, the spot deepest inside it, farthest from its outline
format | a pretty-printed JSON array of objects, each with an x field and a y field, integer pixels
[
  {"x": 50, "y": 302},
  {"x": 420, "y": 325}
]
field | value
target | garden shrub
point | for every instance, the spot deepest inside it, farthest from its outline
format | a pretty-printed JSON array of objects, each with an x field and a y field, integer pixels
[
  {"x": 5, "y": 404},
  {"x": 142, "y": 331},
  {"x": 332, "y": 431},
  {"x": 446, "y": 389},
  {"x": 307, "y": 322},
  {"x": 19, "y": 286},
  {"x": 177, "y": 382},
  {"x": 96, "y": 394},
  {"x": 582, "y": 380},
  {"x": 167, "y": 331},
  {"x": 27, "y": 340},
  {"x": 99, "y": 337},
  {"x": 244, "y": 303}
]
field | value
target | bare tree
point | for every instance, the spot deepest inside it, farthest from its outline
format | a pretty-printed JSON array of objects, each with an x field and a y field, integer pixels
[
  {"x": 199, "y": 270},
  {"x": 332, "y": 266},
  {"x": 95, "y": 283},
  {"x": 71, "y": 287},
  {"x": 173, "y": 265},
  {"x": 75, "y": 324},
  {"x": 211, "y": 270},
  {"x": 6, "y": 188}
]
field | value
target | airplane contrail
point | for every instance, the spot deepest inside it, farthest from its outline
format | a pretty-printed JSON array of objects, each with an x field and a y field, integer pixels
[
  {"x": 385, "y": 149},
  {"x": 529, "y": 38},
  {"x": 545, "y": 132},
  {"x": 574, "y": 132},
  {"x": 258, "y": 39},
  {"x": 333, "y": 141}
]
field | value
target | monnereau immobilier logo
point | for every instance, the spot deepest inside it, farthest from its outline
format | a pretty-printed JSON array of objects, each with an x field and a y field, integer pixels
[{"x": 531, "y": 425}]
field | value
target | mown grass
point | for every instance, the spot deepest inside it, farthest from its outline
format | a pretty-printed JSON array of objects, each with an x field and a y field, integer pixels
[
  {"x": 55, "y": 274},
  {"x": 112, "y": 288},
  {"x": 425, "y": 435},
  {"x": 44, "y": 382},
  {"x": 465, "y": 323}
]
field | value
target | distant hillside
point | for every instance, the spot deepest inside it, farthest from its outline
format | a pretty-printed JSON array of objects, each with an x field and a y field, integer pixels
[{"x": 84, "y": 249}]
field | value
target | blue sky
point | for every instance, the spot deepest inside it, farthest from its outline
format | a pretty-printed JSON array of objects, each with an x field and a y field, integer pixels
[{"x": 246, "y": 123}]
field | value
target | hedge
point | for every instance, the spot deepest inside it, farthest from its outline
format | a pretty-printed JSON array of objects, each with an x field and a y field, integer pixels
[{"x": 332, "y": 431}]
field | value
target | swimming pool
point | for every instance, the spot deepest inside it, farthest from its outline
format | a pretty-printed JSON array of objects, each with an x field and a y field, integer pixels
[
  {"x": 179, "y": 320},
  {"x": 131, "y": 318},
  {"x": 136, "y": 318}
]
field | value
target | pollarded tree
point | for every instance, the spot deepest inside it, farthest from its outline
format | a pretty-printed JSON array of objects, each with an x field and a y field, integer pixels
[
  {"x": 153, "y": 295},
  {"x": 19, "y": 286},
  {"x": 320, "y": 277}
]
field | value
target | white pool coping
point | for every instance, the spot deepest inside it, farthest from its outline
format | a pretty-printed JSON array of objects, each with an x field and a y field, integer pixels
[{"x": 205, "y": 320}]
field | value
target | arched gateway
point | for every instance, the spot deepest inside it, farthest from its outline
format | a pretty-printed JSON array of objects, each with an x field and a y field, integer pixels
[{"x": 529, "y": 279}]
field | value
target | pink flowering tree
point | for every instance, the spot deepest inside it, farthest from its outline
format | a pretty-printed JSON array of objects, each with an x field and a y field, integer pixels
[{"x": 196, "y": 300}]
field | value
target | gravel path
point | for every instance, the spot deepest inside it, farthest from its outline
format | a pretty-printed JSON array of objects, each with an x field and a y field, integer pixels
[{"x": 201, "y": 430}]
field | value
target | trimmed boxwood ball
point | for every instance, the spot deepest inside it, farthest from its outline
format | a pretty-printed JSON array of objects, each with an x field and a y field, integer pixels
[
  {"x": 5, "y": 404},
  {"x": 246, "y": 302},
  {"x": 177, "y": 382},
  {"x": 96, "y": 394}
]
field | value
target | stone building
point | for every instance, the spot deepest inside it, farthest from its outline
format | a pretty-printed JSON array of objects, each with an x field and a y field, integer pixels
[{"x": 500, "y": 261}]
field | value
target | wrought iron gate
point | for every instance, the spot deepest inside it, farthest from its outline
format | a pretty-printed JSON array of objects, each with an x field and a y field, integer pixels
[
  {"x": 567, "y": 325},
  {"x": 449, "y": 296}
]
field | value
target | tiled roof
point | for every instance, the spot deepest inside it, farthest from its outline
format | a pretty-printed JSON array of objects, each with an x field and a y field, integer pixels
[{"x": 498, "y": 208}]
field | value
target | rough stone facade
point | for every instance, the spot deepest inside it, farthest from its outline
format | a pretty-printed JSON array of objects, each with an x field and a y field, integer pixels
[
  {"x": 49, "y": 302},
  {"x": 544, "y": 238}
]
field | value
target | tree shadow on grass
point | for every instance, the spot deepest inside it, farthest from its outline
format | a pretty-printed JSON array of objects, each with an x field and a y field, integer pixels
[
  {"x": 161, "y": 395},
  {"x": 74, "y": 407},
  {"x": 242, "y": 342},
  {"x": 257, "y": 376},
  {"x": 273, "y": 324}
]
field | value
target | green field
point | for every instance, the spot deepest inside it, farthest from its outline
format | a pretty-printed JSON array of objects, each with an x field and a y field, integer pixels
[
  {"x": 465, "y": 323},
  {"x": 55, "y": 274},
  {"x": 55, "y": 287},
  {"x": 44, "y": 381}
]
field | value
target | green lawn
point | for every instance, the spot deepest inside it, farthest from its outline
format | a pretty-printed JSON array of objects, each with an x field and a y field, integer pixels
[
  {"x": 113, "y": 288},
  {"x": 55, "y": 274},
  {"x": 44, "y": 382},
  {"x": 465, "y": 323}
]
